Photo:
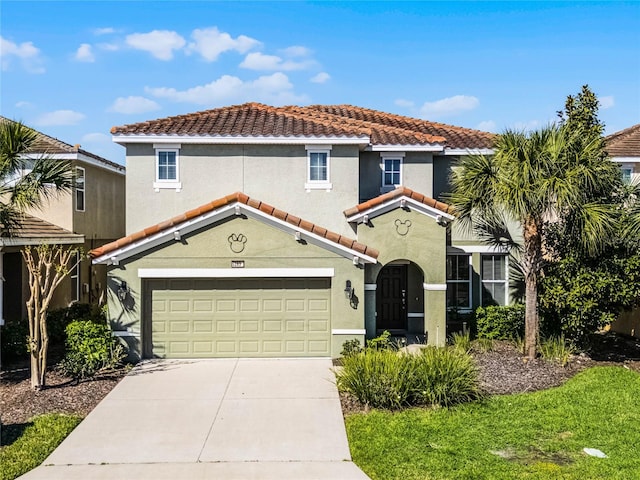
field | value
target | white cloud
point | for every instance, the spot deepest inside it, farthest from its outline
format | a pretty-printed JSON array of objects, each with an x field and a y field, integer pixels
[
  {"x": 260, "y": 61},
  {"x": 296, "y": 51},
  {"x": 103, "y": 31},
  {"x": 109, "y": 47},
  {"x": 274, "y": 89},
  {"x": 131, "y": 105},
  {"x": 24, "y": 104},
  {"x": 449, "y": 106},
  {"x": 59, "y": 118},
  {"x": 27, "y": 54},
  {"x": 606, "y": 102},
  {"x": 159, "y": 43},
  {"x": 84, "y": 53},
  {"x": 401, "y": 102},
  {"x": 487, "y": 126},
  {"x": 322, "y": 77},
  {"x": 211, "y": 42}
]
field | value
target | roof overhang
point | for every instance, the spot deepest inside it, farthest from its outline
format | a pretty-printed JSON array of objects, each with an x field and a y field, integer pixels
[
  {"x": 468, "y": 151},
  {"x": 233, "y": 209},
  {"x": 79, "y": 157},
  {"x": 124, "y": 139},
  {"x": 27, "y": 241},
  {"x": 625, "y": 159},
  {"x": 400, "y": 202},
  {"x": 409, "y": 148}
]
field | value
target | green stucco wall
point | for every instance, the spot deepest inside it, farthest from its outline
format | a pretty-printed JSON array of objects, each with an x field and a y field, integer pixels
[{"x": 265, "y": 247}]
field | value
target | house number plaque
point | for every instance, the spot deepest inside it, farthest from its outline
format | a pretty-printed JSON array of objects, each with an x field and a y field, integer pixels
[{"x": 237, "y": 263}]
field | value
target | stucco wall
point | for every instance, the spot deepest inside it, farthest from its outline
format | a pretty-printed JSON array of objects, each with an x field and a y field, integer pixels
[
  {"x": 266, "y": 247},
  {"x": 275, "y": 174},
  {"x": 424, "y": 244},
  {"x": 417, "y": 173}
]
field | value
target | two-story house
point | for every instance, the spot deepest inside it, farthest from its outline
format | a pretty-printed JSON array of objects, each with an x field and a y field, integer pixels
[
  {"x": 88, "y": 216},
  {"x": 261, "y": 231}
]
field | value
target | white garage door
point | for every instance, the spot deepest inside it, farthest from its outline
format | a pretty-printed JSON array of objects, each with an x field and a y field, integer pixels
[{"x": 240, "y": 317}]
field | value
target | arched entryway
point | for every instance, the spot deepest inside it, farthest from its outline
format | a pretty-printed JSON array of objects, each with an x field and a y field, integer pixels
[{"x": 400, "y": 299}]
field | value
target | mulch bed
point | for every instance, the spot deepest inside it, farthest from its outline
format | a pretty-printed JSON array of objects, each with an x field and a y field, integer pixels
[
  {"x": 19, "y": 403},
  {"x": 505, "y": 371},
  {"x": 502, "y": 371}
]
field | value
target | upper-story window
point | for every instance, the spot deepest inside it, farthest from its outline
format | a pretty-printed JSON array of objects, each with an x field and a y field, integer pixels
[
  {"x": 494, "y": 280},
  {"x": 391, "y": 166},
  {"x": 626, "y": 174},
  {"x": 318, "y": 167},
  {"x": 167, "y": 167},
  {"x": 79, "y": 188}
]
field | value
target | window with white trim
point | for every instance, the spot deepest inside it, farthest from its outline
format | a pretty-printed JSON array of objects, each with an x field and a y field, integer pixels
[
  {"x": 626, "y": 173},
  {"x": 459, "y": 281},
  {"x": 494, "y": 280},
  {"x": 74, "y": 275},
  {"x": 391, "y": 166},
  {"x": 80, "y": 188},
  {"x": 167, "y": 167},
  {"x": 318, "y": 168}
]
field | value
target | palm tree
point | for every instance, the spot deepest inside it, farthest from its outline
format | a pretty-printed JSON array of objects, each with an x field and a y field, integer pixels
[
  {"x": 26, "y": 183},
  {"x": 533, "y": 179}
]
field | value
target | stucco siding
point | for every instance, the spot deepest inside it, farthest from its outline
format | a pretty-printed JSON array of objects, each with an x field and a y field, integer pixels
[
  {"x": 265, "y": 247},
  {"x": 275, "y": 174}
]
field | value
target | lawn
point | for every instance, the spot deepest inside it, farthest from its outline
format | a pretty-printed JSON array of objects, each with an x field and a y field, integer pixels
[
  {"x": 537, "y": 435},
  {"x": 25, "y": 446}
]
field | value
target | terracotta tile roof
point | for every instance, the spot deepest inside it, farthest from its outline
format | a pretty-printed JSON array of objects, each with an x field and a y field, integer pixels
[
  {"x": 393, "y": 194},
  {"x": 228, "y": 200},
  {"x": 247, "y": 120},
  {"x": 34, "y": 227},
  {"x": 625, "y": 143},
  {"x": 44, "y": 144},
  {"x": 255, "y": 119},
  {"x": 456, "y": 137}
]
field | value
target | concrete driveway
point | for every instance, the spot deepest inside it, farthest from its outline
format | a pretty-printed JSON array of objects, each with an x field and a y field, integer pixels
[{"x": 222, "y": 418}]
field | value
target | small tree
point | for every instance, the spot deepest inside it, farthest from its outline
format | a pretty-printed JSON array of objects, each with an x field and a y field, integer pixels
[{"x": 47, "y": 265}]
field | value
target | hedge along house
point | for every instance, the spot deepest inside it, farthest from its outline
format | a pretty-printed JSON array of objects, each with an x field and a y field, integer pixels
[{"x": 325, "y": 239}]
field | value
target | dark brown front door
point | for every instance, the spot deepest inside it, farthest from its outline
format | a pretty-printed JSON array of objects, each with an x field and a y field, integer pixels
[{"x": 391, "y": 298}]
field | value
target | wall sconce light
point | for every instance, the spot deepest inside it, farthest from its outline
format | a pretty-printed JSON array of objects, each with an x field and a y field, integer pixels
[
  {"x": 123, "y": 291},
  {"x": 348, "y": 290}
]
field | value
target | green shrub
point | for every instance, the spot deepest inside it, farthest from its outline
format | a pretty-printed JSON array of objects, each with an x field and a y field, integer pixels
[
  {"x": 444, "y": 376},
  {"x": 482, "y": 345},
  {"x": 556, "y": 349},
  {"x": 390, "y": 379},
  {"x": 500, "y": 323},
  {"x": 382, "y": 342},
  {"x": 460, "y": 341},
  {"x": 378, "y": 378},
  {"x": 58, "y": 319},
  {"x": 14, "y": 340},
  {"x": 90, "y": 348},
  {"x": 351, "y": 347}
]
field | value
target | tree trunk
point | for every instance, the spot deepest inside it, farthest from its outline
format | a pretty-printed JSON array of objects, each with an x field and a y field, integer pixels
[
  {"x": 532, "y": 264},
  {"x": 531, "y": 320}
]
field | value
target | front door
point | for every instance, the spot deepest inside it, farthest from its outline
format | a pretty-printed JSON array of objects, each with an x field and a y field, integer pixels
[{"x": 391, "y": 298}]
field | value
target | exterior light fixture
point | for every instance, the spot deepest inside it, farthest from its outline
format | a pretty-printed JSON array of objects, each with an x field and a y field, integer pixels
[
  {"x": 348, "y": 290},
  {"x": 123, "y": 291}
]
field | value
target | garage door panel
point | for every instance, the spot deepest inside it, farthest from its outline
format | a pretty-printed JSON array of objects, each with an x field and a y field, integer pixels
[{"x": 248, "y": 317}]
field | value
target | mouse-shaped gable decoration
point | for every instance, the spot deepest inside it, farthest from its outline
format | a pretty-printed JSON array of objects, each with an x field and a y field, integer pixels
[
  {"x": 402, "y": 227},
  {"x": 237, "y": 242}
]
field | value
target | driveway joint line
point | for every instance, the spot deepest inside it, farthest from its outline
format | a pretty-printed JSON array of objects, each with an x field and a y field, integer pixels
[{"x": 224, "y": 394}]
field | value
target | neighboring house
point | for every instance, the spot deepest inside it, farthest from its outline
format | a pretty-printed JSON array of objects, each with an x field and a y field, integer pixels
[
  {"x": 624, "y": 148},
  {"x": 88, "y": 216},
  {"x": 262, "y": 231}
]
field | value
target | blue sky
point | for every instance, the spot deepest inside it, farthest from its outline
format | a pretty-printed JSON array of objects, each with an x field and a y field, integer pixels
[{"x": 75, "y": 69}]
